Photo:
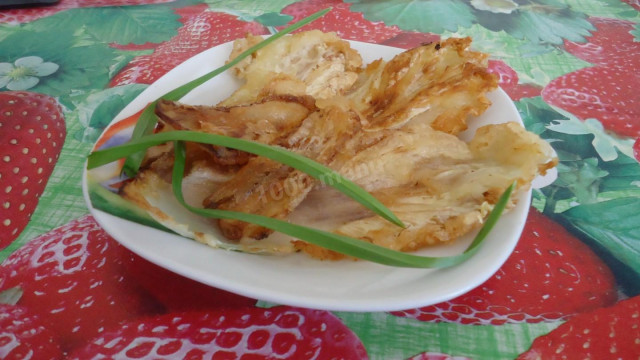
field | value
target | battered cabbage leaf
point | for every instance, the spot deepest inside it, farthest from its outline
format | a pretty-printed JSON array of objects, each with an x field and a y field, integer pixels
[{"x": 390, "y": 127}]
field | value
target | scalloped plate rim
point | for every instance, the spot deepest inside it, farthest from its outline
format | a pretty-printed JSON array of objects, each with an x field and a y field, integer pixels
[{"x": 297, "y": 280}]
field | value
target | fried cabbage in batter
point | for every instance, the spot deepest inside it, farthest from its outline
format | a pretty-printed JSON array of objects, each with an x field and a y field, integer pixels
[{"x": 390, "y": 126}]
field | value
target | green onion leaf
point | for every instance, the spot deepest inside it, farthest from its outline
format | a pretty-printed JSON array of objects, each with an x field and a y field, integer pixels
[
  {"x": 297, "y": 161},
  {"x": 143, "y": 138},
  {"x": 147, "y": 121},
  {"x": 145, "y": 125},
  {"x": 342, "y": 244}
]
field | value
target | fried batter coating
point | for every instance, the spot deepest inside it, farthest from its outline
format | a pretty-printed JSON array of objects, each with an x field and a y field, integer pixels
[
  {"x": 268, "y": 121},
  {"x": 271, "y": 189},
  {"x": 441, "y": 83},
  {"x": 442, "y": 191},
  {"x": 320, "y": 63},
  {"x": 447, "y": 187},
  {"x": 391, "y": 128}
]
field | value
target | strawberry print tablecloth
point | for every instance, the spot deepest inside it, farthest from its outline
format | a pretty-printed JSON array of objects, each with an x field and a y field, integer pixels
[{"x": 570, "y": 290}]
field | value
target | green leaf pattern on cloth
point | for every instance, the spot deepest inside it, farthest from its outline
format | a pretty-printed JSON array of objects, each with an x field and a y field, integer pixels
[
  {"x": 613, "y": 225},
  {"x": 134, "y": 25},
  {"x": 582, "y": 178},
  {"x": 25, "y": 72},
  {"x": 597, "y": 172},
  {"x": 636, "y": 32},
  {"x": 82, "y": 65},
  {"x": 95, "y": 111},
  {"x": 596, "y": 196},
  {"x": 434, "y": 16},
  {"x": 248, "y": 10},
  {"x": 391, "y": 337},
  {"x": 546, "y": 24},
  {"x": 604, "y": 143},
  {"x": 535, "y": 63},
  {"x": 542, "y": 68},
  {"x": 536, "y": 21},
  {"x": 138, "y": 25},
  {"x": 603, "y": 8}
]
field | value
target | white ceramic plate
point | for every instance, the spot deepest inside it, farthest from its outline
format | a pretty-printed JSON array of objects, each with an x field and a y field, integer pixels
[{"x": 298, "y": 280}]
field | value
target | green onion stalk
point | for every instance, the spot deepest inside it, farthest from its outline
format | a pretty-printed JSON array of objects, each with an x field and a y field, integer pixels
[{"x": 143, "y": 138}]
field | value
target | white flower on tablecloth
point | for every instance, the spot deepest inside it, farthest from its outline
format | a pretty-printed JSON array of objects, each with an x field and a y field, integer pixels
[
  {"x": 25, "y": 72},
  {"x": 495, "y": 6}
]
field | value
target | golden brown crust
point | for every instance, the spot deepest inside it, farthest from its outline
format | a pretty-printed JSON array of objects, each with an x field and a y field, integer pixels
[
  {"x": 267, "y": 188},
  {"x": 392, "y": 130},
  {"x": 268, "y": 121},
  {"x": 444, "y": 82},
  {"x": 320, "y": 63},
  {"x": 446, "y": 191}
]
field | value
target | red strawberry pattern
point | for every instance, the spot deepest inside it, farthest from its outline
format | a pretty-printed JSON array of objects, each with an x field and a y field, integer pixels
[
  {"x": 178, "y": 293},
  {"x": 19, "y": 16},
  {"x": 521, "y": 91},
  {"x": 23, "y": 336},
  {"x": 87, "y": 296},
  {"x": 199, "y": 33},
  {"x": 603, "y": 93},
  {"x": 73, "y": 279},
  {"x": 634, "y": 3},
  {"x": 188, "y": 12},
  {"x": 551, "y": 275},
  {"x": 507, "y": 77},
  {"x": 608, "y": 333},
  {"x": 611, "y": 44},
  {"x": 347, "y": 24},
  {"x": 508, "y": 81},
  {"x": 32, "y": 132},
  {"x": 607, "y": 91},
  {"x": 411, "y": 39},
  {"x": 250, "y": 333}
]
